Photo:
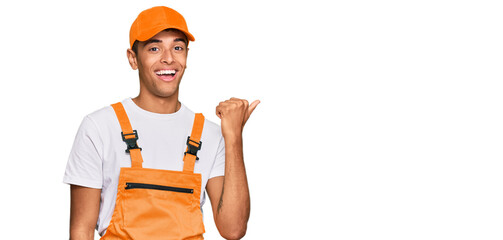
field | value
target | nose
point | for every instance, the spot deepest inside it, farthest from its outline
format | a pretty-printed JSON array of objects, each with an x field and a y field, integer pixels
[{"x": 167, "y": 57}]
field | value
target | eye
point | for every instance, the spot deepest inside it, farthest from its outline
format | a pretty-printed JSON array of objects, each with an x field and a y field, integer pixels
[
  {"x": 154, "y": 49},
  {"x": 178, "y": 48}
]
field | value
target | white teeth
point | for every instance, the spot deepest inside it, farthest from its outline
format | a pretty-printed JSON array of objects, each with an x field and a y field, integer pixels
[{"x": 163, "y": 72}]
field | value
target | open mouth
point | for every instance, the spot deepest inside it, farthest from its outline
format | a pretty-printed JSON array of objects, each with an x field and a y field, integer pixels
[{"x": 166, "y": 75}]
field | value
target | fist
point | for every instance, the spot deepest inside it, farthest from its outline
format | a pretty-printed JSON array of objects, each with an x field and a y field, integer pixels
[{"x": 234, "y": 113}]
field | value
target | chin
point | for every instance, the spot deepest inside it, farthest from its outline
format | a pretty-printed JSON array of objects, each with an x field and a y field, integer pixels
[{"x": 166, "y": 94}]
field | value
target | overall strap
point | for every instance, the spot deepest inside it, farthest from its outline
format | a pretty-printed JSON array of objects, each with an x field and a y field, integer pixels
[
  {"x": 129, "y": 136},
  {"x": 193, "y": 144}
]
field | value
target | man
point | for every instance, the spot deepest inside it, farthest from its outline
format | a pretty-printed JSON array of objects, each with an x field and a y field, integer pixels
[{"x": 137, "y": 169}]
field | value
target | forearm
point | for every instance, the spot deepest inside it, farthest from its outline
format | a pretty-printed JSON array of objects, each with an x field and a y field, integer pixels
[
  {"x": 233, "y": 210},
  {"x": 84, "y": 210},
  {"x": 234, "y": 206},
  {"x": 82, "y": 235}
]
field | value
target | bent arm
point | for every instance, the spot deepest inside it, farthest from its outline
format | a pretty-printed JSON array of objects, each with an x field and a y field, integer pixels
[
  {"x": 232, "y": 211},
  {"x": 84, "y": 209},
  {"x": 229, "y": 195}
]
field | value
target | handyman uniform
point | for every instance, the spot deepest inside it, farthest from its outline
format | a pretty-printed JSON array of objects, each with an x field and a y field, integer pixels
[
  {"x": 98, "y": 155},
  {"x": 150, "y": 193}
]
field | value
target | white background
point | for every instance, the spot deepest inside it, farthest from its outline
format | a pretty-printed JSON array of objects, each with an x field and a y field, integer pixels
[{"x": 379, "y": 119}]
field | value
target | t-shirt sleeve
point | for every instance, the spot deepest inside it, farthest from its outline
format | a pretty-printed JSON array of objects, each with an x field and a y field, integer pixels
[
  {"x": 219, "y": 164},
  {"x": 84, "y": 166}
]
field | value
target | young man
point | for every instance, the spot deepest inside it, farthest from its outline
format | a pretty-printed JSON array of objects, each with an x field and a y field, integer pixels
[{"x": 138, "y": 168}]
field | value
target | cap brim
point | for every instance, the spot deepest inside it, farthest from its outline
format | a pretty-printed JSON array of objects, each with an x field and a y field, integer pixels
[{"x": 146, "y": 35}]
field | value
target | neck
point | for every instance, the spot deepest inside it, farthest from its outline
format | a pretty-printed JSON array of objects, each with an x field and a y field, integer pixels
[{"x": 158, "y": 105}]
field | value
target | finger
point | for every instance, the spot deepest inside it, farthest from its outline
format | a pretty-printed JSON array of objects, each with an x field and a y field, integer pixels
[
  {"x": 218, "y": 112},
  {"x": 252, "y": 107}
]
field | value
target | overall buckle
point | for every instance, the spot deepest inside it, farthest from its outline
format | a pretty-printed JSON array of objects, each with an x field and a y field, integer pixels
[
  {"x": 130, "y": 142},
  {"x": 192, "y": 149}
]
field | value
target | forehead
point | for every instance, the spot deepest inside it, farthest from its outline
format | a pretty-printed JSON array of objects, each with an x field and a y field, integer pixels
[{"x": 168, "y": 35}]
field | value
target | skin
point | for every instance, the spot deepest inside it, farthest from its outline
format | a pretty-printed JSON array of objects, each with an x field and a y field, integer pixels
[
  {"x": 229, "y": 194},
  {"x": 84, "y": 209},
  {"x": 233, "y": 209}
]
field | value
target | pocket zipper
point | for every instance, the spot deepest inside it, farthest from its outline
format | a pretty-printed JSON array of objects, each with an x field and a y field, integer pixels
[{"x": 158, "y": 187}]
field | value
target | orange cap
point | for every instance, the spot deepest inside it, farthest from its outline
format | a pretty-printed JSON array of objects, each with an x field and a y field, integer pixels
[{"x": 154, "y": 20}]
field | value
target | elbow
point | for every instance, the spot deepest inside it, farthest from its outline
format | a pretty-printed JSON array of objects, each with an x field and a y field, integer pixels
[
  {"x": 232, "y": 227},
  {"x": 234, "y": 233}
]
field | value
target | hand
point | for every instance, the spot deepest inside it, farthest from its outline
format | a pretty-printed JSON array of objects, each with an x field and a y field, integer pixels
[{"x": 234, "y": 113}]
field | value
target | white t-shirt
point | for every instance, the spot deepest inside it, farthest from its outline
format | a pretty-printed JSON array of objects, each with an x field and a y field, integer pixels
[{"x": 98, "y": 151}]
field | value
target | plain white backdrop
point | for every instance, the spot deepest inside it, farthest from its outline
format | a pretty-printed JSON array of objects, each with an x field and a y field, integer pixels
[{"x": 379, "y": 119}]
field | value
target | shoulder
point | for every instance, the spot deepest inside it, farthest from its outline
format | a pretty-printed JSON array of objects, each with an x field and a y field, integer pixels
[
  {"x": 210, "y": 128},
  {"x": 107, "y": 113},
  {"x": 103, "y": 120},
  {"x": 101, "y": 116}
]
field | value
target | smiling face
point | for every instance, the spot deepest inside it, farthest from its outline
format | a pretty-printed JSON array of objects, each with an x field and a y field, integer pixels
[{"x": 161, "y": 62}]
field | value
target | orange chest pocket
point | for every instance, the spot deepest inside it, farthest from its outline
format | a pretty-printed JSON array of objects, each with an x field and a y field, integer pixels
[{"x": 158, "y": 204}]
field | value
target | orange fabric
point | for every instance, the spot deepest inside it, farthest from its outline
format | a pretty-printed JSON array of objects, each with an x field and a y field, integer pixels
[
  {"x": 154, "y": 20},
  {"x": 136, "y": 158},
  {"x": 189, "y": 160},
  {"x": 154, "y": 204},
  {"x": 156, "y": 214},
  {"x": 123, "y": 118}
]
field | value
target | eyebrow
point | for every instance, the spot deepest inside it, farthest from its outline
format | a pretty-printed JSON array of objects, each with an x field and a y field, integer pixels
[
  {"x": 181, "y": 40},
  {"x": 160, "y": 41},
  {"x": 152, "y": 41}
]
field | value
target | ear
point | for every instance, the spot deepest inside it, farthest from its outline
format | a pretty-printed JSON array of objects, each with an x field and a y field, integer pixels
[
  {"x": 186, "y": 55},
  {"x": 131, "y": 56}
]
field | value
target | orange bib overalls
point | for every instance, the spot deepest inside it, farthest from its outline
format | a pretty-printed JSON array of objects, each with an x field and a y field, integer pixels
[{"x": 156, "y": 204}]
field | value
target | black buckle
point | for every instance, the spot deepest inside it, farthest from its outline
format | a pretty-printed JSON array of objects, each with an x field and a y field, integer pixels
[
  {"x": 191, "y": 149},
  {"x": 130, "y": 142}
]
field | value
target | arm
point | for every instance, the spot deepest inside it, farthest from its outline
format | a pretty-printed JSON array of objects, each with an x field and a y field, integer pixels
[
  {"x": 84, "y": 209},
  {"x": 229, "y": 195}
]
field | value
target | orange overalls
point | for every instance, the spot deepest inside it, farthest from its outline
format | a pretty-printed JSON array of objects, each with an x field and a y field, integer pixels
[{"x": 157, "y": 204}]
